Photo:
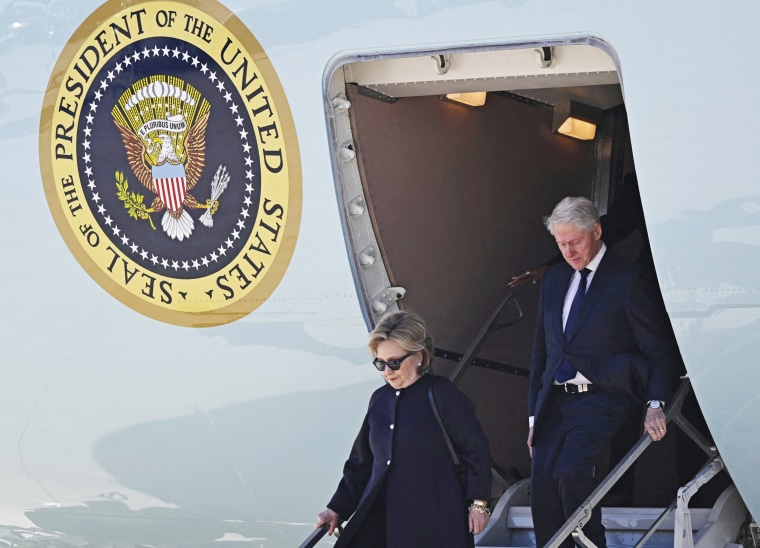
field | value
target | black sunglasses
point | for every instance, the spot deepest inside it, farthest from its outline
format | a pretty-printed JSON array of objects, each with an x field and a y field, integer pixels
[{"x": 395, "y": 365}]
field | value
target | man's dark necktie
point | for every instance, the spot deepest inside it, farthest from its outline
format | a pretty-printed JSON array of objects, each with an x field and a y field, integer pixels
[{"x": 566, "y": 371}]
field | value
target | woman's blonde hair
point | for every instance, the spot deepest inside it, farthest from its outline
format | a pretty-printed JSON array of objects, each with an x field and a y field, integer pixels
[{"x": 408, "y": 330}]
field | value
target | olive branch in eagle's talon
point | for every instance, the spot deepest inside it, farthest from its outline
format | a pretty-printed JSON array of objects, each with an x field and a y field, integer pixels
[{"x": 133, "y": 202}]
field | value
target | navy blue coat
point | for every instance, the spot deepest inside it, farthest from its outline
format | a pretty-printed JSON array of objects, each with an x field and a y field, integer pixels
[
  {"x": 620, "y": 341},
  {"x": 401, "y": 446}
]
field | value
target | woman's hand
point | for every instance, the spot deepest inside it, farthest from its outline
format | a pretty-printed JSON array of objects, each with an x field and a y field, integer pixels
[
  {"x": 331, "y": 518},
  {"x": 478, "y": 521}
]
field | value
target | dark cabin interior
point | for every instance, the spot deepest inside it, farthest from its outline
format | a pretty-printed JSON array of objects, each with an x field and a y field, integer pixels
[{"x": 456, "y": 197}]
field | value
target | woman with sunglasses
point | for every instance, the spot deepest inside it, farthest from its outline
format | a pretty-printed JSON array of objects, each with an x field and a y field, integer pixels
[{"x": 400, "y": 481}]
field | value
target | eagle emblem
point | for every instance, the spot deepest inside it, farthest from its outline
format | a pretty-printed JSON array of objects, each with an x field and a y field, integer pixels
[{"x": 167, "y": 153}]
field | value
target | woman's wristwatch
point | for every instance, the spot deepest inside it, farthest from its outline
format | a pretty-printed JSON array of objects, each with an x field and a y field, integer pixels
[{"x": 480, "y": 506}]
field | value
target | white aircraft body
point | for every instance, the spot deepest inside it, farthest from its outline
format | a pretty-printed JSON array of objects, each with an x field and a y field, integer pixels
[{"x": 140, "y": 407}]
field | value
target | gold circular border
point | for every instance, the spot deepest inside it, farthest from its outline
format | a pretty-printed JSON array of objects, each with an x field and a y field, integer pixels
[{"x": 264, "y": 289}]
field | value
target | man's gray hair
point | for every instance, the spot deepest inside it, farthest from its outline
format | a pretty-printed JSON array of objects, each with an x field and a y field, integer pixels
[{"x": 573, "y": 210}]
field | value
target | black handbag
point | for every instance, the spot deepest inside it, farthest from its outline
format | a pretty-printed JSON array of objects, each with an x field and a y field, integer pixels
[{"x": 459, "y": 468}]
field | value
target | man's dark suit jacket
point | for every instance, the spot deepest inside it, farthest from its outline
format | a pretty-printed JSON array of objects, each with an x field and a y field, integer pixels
[{"x": 620, "y": 340}]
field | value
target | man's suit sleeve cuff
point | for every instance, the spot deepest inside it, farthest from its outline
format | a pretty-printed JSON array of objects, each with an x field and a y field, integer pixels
[{"x": 531, "y": 420}]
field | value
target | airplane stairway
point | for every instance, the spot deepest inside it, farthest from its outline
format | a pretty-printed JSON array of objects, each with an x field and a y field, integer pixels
[
  {"x": 678, "y": 526},
  {"x": 511, "y": 525}
]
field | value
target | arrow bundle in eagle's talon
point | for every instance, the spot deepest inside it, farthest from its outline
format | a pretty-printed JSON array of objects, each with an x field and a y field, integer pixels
[{"x": 218, "y": 186}]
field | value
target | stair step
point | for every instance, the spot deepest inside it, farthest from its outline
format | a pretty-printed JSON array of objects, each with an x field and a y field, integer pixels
[
  {"x": 630, "y": 519},
  {"x": 511, "y": 524},
  {"x": 625, "y": 526}
]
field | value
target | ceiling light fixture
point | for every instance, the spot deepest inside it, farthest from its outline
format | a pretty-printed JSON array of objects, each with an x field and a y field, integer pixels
[
  {"x": 576, "y": 120},
  {"x": 473, "y": 99}
]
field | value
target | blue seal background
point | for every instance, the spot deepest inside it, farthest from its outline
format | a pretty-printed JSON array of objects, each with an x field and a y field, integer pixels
[{"x": 224, "y": 145}]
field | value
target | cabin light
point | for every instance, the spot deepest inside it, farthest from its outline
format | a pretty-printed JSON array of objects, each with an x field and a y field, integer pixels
[
  {"x": 576, "y": 120},
  {"x": 340, "y": 103},
  {"x": 442, "y": 63},
  {"x": 347, "y": 152},
  {"x": 473, "y": 99},
  {"x": 357, "y": 207},
  {"x": 580, "y": 129},
  {"x": 367, "y": 257},
  {"x": 385, "y": 298}
]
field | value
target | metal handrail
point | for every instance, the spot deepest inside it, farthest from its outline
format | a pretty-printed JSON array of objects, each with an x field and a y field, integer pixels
[
  {"x": 317, "y": 535},
  {"x": 573, "y": 526},
  {"x": 461, "y": 367},
  {"x": 655, "y": 524}
]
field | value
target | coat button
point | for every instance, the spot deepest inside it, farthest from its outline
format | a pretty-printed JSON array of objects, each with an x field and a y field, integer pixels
[
  {"x": 398, "y": 392},
  {"x": 388, "y": 463},
  {"x": 391, "y": 427}
]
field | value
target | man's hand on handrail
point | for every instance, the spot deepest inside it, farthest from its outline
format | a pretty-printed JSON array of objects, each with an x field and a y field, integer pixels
[
  {"x": 532, "y": 275},
  {"x": 655, "y": 424}
]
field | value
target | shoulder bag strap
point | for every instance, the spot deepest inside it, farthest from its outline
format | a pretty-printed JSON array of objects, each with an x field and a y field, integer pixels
[{"x": 454, "y": 455}]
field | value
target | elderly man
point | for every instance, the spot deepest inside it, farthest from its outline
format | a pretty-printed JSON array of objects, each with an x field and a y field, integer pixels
[{"x": 600, "y": 347}]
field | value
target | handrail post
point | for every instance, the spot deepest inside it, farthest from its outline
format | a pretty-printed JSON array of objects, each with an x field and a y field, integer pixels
[
  {"x": 582, "y": 540},
  {"x": 683, "y": 536}
]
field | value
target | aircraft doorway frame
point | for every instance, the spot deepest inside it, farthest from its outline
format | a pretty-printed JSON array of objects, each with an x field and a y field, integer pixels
[{"x": 371, "y": 277}]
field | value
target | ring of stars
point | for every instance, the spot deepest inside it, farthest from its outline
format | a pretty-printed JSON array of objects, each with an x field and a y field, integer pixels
[{"x": 169, "y": 263}]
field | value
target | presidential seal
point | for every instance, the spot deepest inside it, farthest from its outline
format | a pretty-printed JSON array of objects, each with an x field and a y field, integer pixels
[{"x": 170, "y": 160}]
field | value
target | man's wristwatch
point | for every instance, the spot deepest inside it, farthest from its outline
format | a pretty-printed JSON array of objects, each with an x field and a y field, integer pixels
[{"x": 656, "y": 404}]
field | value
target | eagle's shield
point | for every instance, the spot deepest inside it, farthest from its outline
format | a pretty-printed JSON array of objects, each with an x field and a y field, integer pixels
[{"x": 171, "y": 184}]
